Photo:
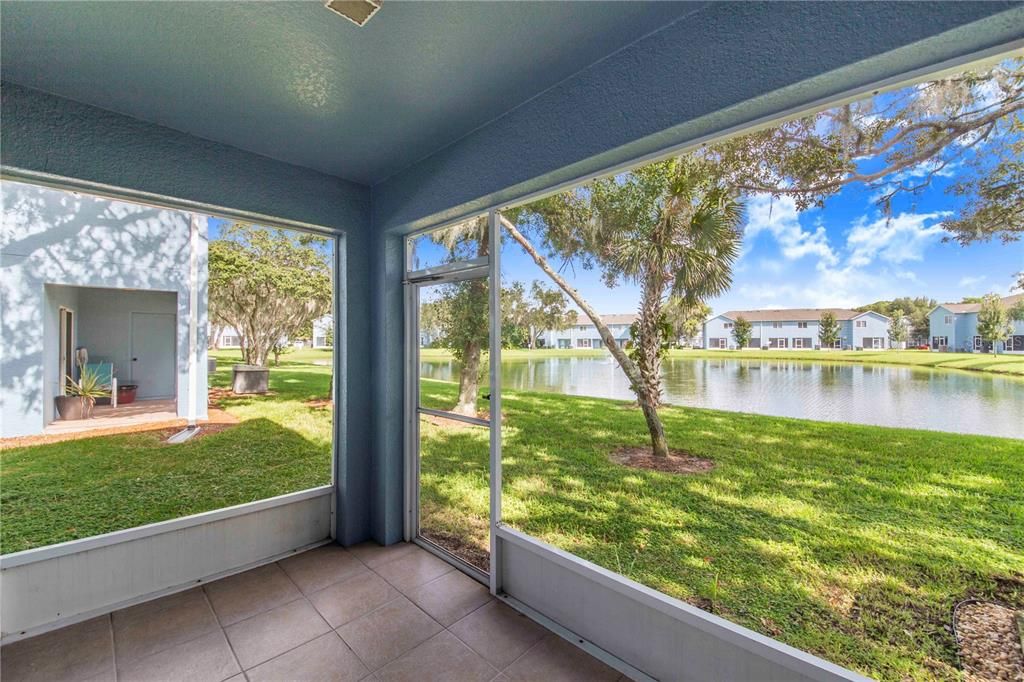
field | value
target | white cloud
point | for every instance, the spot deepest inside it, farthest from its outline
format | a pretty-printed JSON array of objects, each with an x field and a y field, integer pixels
[
  {"x": 895, "y": 240},
  {"x": 780, "y": 218},
  {"x": 932, "y": 167},
  {"x": 866, "y": 267},
  {"x": 970, "y": 281}
]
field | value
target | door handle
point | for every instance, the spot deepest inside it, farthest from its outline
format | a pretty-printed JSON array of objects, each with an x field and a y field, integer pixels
[{"x": 135, "y": 359}]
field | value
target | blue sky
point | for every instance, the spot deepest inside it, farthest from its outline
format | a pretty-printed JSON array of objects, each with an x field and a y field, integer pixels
[{"x": 843, "y": 255}]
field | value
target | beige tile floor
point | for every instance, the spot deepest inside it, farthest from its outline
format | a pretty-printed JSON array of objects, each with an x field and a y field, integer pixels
[{"x": 368, "y": 612}]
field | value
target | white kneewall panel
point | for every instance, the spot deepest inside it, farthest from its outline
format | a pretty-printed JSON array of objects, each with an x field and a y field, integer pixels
[
  {"x": 54, "y": 237},
  {"x": 59, "y": 584},
  {"x": 656, "y": 634}
]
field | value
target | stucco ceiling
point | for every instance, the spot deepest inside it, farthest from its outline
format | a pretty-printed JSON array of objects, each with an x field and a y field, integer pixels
[{"x": 296, "y": 83}]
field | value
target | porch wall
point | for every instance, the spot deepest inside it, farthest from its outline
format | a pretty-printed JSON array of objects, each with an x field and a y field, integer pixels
[
  {"x": 57, "y": 238},
  {"x": 105, "y": 329},
  {"x": 56, "y": 297}
]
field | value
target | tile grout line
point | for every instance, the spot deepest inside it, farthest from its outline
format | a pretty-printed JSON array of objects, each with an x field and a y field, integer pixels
[
  {"x": 166, "y": 648},
  {"x": 304, "y": 596},
  {"x": 223, "y": 633},
  {"x": 322, "y": 634},
  {"x": 262, "y": 613},
  {"x": 113, "y": 643},
  {"x": 529, "y": 649}
]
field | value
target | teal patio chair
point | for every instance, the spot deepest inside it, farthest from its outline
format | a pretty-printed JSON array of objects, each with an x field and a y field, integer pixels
[{"x": 105, "y": 373}]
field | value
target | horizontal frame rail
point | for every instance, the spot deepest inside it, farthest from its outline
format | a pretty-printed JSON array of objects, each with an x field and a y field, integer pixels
[{"x": 37, "y": 554}]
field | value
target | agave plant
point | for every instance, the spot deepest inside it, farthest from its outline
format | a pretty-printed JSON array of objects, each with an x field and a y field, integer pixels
[{"x": 88, "y": 387}]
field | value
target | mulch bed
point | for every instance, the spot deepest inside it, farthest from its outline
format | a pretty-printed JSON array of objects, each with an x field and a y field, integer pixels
[
  {"x": 468, "y": 552},
  {"x": 217, "y": 393},
  {"x": 990, "y": 641},
  {"x": 677, "y": 462}
]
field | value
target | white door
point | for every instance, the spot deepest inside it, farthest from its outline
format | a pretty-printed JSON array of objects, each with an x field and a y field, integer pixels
[{"x": 153, "y": 354}]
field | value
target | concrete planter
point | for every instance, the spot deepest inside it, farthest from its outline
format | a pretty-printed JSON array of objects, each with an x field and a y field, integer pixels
[
  {"x": 250, "y": 379},
  {"x": 73, "y": 407}
]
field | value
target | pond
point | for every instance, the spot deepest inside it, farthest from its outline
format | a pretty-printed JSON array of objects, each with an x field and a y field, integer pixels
[{"x": 882, "y": 395}]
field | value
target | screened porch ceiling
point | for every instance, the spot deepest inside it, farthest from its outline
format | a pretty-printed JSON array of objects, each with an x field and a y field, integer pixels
[
  {"x": 276, "y": 78},
  {"x": 296, "y": 83}
]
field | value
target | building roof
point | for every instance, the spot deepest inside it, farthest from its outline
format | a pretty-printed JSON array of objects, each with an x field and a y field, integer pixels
[
  {"x": 975, "y": 307},
  {"x": 614, "y": 318},
  {"x": 792, "y": 314}
]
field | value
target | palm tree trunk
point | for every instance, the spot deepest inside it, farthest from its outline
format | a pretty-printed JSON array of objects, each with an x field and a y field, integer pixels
[
  {"x": 636, "y": 380},
  {"x": 649, "y": 339}
]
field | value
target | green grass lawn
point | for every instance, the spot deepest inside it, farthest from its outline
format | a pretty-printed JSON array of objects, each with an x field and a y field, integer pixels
[
  {"x": 852, "y": 542},
  {"x": 1000, "y": 364},
  {"x": 64, "y": 491}
]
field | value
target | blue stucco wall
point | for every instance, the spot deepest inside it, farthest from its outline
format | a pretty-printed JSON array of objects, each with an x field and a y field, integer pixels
[{"x": 53, "y": 135}]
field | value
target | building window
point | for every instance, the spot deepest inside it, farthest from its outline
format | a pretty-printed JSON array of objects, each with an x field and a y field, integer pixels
[
  {"x": 583, "y": 343},
  {"x": 862, "y": 324},
  {"x": 728, "y": 325},
  {"x": 940, "y": 341},
  {"x": 776, "y": 325},
  {"x": 230, "y": 341},
  {"x": 778, "y": 342},
  {"x": 838, "y": 343},
  {"x": 801, "y": 325},
  {"x": 948, "y": 319},
  {"x": 798, "y": 343},
  {"x": 977, "y": 343}
]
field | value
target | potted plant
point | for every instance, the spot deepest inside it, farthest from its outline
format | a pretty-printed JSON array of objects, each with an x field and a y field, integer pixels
[
  {"x": 126, "y": 393},
  {"x": 80, "y": 395}
]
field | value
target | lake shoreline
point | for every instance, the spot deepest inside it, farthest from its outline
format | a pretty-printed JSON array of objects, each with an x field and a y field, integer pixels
[
  {"x": 913, "y": 396},
  {"x": 1004, "y": 364}
]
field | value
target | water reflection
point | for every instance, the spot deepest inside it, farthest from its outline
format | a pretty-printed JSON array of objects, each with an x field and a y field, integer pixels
[{"x": 864, "y": 394}]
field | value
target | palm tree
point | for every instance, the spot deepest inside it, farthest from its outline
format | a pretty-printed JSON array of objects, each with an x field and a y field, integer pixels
[{"x": 669, "y": 227}]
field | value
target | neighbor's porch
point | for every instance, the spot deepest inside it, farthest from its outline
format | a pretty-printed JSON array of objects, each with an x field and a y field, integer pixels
[{"x": 140, "y": 415}]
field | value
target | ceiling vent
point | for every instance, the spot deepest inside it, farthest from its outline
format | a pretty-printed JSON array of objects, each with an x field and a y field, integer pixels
[{"x": 356, "y": 11}]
